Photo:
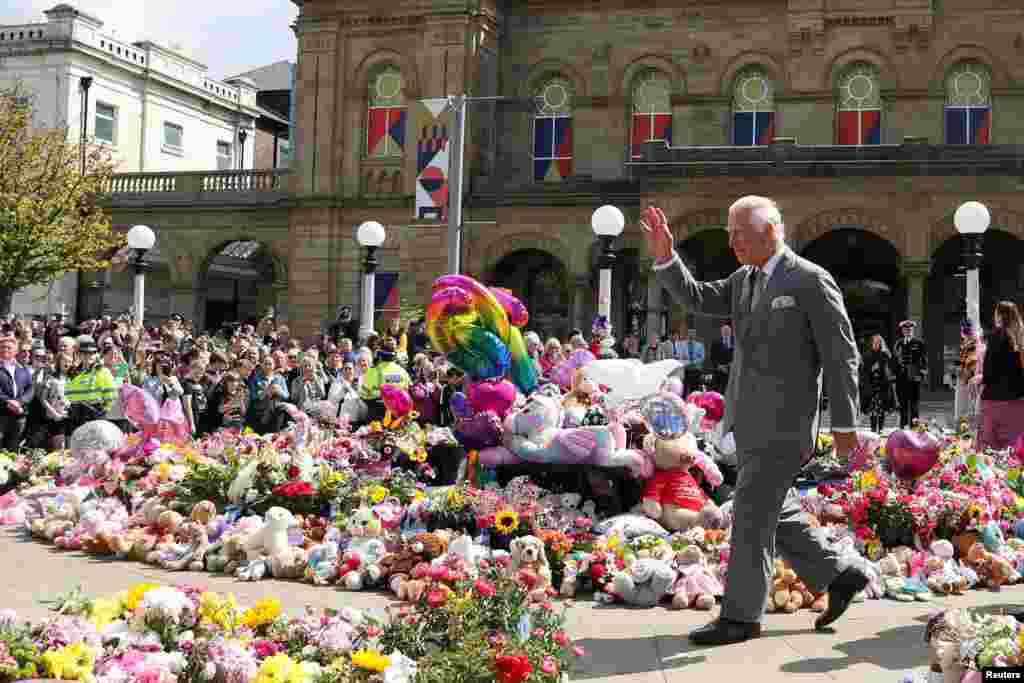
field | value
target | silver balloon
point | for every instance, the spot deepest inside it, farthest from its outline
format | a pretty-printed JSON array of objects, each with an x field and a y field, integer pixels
[
  {"x": 666, "y": 415},
  {"x": 98, "y": 435}
]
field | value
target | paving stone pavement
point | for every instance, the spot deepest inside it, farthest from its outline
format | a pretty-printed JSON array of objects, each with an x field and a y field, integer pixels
[
  {"x": 877, "y": 640},
  {"x": 936, "y": 407}
]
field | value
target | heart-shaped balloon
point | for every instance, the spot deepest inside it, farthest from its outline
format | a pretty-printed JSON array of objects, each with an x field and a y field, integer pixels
[
  {"x": 459, "y": 405},
  {"x": 911, "y": 453}
]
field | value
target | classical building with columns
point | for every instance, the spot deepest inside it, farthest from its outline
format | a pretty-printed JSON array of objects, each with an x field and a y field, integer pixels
[{"x": 869, "y": 121}]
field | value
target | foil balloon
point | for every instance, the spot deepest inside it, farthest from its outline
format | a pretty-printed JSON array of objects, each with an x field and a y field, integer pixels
[
  {"x": 666, "y": 415},
  {"x": 564, "y": 373},
  {"x": 478, "y": 329},
  {"x": 911, "y": 454},
  {"x": 459, "y": 405},
  {"x": 97, "y": 435},
  {"x": 629, "y": 379}
]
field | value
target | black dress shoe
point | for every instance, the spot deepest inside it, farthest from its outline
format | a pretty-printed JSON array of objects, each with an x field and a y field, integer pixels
[
  {"x": 840, "y": 595},
  {"x": 725, "y": 631}
]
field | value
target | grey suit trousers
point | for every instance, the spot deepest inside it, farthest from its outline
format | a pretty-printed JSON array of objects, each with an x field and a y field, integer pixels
[{"x": 764, "y": 491}]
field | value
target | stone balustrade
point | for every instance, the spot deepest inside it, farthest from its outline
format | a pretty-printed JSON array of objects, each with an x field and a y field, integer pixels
[{"x": 216, "y": 187}]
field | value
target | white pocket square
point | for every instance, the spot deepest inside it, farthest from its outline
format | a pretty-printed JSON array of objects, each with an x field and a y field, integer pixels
[{"x": 783, "y": 302}]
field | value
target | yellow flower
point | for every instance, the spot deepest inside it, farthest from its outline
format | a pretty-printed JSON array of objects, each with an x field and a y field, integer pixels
[
  {"x": 506, "y": 521},
  {"x": 419, "y": 495},
  {"x": 105, "y": 611},
  {"x": 375, "y": 426},
  {"x": 281, "y": 668},
  {"x": 218, "y": 610},
  {"x": 377, "y": 493},
  {"x": 371, "y": 660},
  {"x": 455, "y": 498},
  {"x": 71, "y": 663},
  {"x": 263, "y": 612},
  {"x": 419, "y": 456},
  {"x": 136, "y": 593},
  {"x": 163, "y": 471},
  {"x": 868, "y": 480}
]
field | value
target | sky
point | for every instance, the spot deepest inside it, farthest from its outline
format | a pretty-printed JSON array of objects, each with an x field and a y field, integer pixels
[{"x": 235, "y": 37}]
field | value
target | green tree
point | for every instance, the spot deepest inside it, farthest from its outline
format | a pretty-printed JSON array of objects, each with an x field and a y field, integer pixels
[{"x": 51, "y": 221}]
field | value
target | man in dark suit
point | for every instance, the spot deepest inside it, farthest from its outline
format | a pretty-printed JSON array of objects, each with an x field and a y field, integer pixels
[
  {"x": 721, "y": 356},
  {"x": 16, "y": 393},
  {"x": 791, "y": 324}
]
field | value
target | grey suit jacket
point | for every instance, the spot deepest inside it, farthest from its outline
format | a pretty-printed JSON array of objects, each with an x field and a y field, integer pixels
[{"x": 798, "y": 328}]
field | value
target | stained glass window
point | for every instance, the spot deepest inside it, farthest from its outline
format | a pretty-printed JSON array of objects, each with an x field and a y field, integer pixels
[
  {"x": 652, "y": 111},
  {"x": 552, "y": 131},
  {"x": 753, "y": 108},
  {"x": 859, "y": 115},
  {"x": 968, "y": 104},
  {"x": 385, "y": 119}
]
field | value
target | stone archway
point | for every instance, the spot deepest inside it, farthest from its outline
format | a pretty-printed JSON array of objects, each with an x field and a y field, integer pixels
[
  {"x": 238, "y": 282},
  {"x": 867, "y": 269},
  {"x": 706, "y": 252},
  {"x": 820, "y": 224},
  {"x": 1001, "y": 277},
  {"x": 541, "y": 280}
]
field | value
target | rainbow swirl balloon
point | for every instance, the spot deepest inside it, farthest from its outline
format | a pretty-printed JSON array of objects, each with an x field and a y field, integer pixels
[{"x": 478, "y": 329}]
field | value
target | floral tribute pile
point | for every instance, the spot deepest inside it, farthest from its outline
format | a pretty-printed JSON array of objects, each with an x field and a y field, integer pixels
[{"x": 479, "y": 627}]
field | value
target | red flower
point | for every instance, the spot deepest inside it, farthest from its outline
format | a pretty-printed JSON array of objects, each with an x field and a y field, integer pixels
[
  {"x": 527, "y": 578},
  {"x": 484, "y": 588},
  {"x": 293, "y": 472},
  {"x": 436, "y": 598},
  {"x": 294, "y": 488},
  {"x": 266, "y": 648},
  {"x": 512, "y": 668},
  {"x": 597, "y": 571}
]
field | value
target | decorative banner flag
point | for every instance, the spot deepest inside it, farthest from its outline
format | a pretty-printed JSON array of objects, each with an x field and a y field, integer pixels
[
  {"x": 753, "y": 128},
  {"x": 431, "y": 120},
  {"x": 968, "y": 125},
  {"x": 650, "y": 128},
  {"x": 862, "y": 127},
  {"x": 385, "y": 294}
]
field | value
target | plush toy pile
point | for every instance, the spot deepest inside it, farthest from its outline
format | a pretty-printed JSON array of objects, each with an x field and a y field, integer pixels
[{"x": 603, "y": 482}]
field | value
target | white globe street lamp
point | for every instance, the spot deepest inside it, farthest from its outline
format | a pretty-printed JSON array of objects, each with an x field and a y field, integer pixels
[
  {"x": 972, "y": 220},
  {"x": 371, "y": 235},
  {"x": 140, "y": 240},
  {"x": 608, "y": 223}
]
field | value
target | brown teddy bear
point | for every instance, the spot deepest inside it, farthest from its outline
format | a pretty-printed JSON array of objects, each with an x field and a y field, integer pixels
[
  {"x": 397, "y": 567},
  {"x": 784, "y": 596},
  {"x": 993, "y": 570}
]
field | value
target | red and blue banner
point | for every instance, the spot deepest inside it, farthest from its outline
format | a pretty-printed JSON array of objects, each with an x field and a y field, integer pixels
[
  {"x": 385, "y": 295},
  {"x": 859, "y": 127},
  {"x": 552, "y": 148},
  {"x": 751, "y": 128},
  {"x": 650, "y": 128},
  {"x": 968, "y": 125},
  {"x": 385, "y": 131}
]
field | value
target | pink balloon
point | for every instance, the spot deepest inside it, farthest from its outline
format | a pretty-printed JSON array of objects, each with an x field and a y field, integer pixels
[{"x": 912, "y": 454}]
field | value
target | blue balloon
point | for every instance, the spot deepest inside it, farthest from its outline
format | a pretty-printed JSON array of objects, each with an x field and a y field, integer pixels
[
  {"x": 1018, "y": 528},
  {"x": 459, "y": 404}
]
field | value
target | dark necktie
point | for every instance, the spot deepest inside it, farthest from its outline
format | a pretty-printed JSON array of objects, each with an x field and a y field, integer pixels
[{"x": 754, "y": 282}]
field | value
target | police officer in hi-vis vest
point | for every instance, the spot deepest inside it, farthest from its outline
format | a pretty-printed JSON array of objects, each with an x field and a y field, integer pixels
[{"x": 910, "y": 354}]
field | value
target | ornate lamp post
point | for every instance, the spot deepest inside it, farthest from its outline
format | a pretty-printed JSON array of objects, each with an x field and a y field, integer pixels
[
  {"x": 140, "y": 240},
  {"x": 607, "y": 223},
  {"x": 972, "y": 220},
  {"x": 371, "y": 235}
]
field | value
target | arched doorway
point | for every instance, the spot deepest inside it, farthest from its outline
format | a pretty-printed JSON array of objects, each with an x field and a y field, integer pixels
[
  {"x": 237, "y": 284},
  {"x": 1001, "y": 277},
  {"x": 867, "y": 269},
  {"x": 540, "y": 280},
  {"x": 709, "y": 257}
]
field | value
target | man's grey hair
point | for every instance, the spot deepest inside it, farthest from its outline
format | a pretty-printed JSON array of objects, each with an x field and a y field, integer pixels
[{"x": 762, "y": 212}]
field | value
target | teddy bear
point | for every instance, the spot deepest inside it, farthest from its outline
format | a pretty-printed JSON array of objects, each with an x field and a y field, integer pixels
[
  {"x": 530, "y": 566},
  {"x": 159, "y": 537},
  {"x": 290, "y": 563},
  {"x": 272, "y": 537},
  {"x": 322, "y": 561},
  {"x": 994, "y": 571},
  {"x": 57, "y": 521},
  {"x": 784, "y": 595},
  {"x": 897, "y": 585},
  {"x": 203, "y": 512},
  {"x": 940, "y": 570},
  {"x": 644, "y": 582},
  {"x": 696, "y": 586},
  {"x": 672, "y": 496},
  {"x": 576, "y": 564},
  {"x": 359, "y": 566},
  {"x": 397, "y": 567},
  {"x": 189, "y": 555},
  {"x": 534, "y": 434}
]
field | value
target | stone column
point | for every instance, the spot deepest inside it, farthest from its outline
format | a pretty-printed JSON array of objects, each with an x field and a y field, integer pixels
[
  {"x": 916, "y": 273},
  {"x": 281, "y": 302}
]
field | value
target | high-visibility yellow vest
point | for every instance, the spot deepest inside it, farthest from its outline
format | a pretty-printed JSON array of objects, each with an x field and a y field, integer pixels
[
  {"x": 387, "y": 372},
  {"x": 92, "y": 386}
]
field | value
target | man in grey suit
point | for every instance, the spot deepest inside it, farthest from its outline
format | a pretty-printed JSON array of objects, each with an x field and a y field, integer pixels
[{"x": 790, "y": 325}]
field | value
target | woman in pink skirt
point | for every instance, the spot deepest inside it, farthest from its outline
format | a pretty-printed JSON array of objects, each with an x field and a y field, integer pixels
[{"x": 1002, "y": 395}]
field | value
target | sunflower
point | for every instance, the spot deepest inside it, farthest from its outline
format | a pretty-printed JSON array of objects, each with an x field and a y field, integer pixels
[
  {"x": 370, "y": 660},
  {"x": 506, "y": 521},
  {"x": 377, "y": 493},
  {"x": 419, "y": 455}
]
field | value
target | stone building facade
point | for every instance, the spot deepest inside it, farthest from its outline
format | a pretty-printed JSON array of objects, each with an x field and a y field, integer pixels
[{"x": 869, "y": 121}]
